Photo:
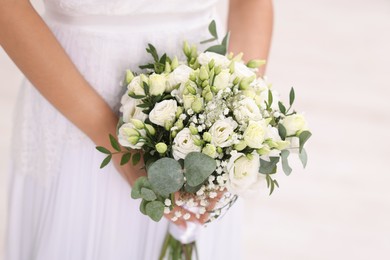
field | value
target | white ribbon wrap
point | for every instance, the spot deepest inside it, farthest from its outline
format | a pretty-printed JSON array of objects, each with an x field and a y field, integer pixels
[{"x": 185, "y": 236}]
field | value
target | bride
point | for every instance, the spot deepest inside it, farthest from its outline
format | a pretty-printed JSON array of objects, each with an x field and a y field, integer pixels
[{"x": 61, "y": 205}]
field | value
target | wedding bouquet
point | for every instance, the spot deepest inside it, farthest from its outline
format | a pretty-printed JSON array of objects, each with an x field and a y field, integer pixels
[{"x": 206, "y": 125}]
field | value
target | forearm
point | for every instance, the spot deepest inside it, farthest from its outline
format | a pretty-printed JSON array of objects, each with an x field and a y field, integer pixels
[
  {"x": 250, "y": 23},
  {"x": 37, "y": 53}
]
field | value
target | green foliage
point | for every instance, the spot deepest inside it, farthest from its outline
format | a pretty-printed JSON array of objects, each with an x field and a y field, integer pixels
[
  {"x": 136, "y": 158},
  {"x": 103, "y": 150},
  {"x": 218, "y": 48},
  {"x": 141, "y": 182},
  {"x": 292, "y": 96},
  {"x": 198, "y": 167},
  {"x": 155, "y": 210},
  {"x": 303, "y": 157},
  {"x": 213, "y": 29},
  {"x": 282, "y": 108},
  {"x": 282, "y": 131},
  {"x": 271, "y": 183},
  {"x": 148, "y": 194},
  {"x": 125, "y": 158},
  {"x": 286, "y": 167},
  {"x": 114, "y": 143},
  {"x": 268, "y": 167},
  {"x": 303, "y": 137},
  {"x": 105, "y": 161},
  {"x": 166, "y": 176}
]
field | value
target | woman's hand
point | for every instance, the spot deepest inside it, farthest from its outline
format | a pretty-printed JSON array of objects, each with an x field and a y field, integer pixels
[{"x": 203, "y": 218}]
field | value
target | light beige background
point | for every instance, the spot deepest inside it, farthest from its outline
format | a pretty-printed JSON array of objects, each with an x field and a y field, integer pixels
[{"x": 336, "y": 54}]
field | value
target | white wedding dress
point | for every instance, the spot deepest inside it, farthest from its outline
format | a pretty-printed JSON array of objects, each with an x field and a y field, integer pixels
[{"x": 61, "y": 205}]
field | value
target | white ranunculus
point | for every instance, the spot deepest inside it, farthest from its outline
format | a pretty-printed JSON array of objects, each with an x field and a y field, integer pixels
[
  {"x": 222, "y": 80},
  {"x": 184, "y": 144},
  {"x": 157, "y": 84},
  {"x": 128, "y": 136},
  {"x": 136, "y": 87},
  {"x": 164, "y": 111},
  {"x": 294, "y": 123},
  {"x": 246, "y": 110},
  {"x": 254, "y": 135},
  {"x": 221, "y": 132},
  {"x": 130, "y": 110},
  {"x": 220, "y": 60},
  {"x": 244, "y": 177},
  {"x": 179, "y": 76},
  {"x": 242, "y": 71}
]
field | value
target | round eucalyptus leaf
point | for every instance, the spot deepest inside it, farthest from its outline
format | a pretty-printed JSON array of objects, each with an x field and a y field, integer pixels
[
  {"x": 155, "y": 210},
  {"x": 166, "y": 176},
  {"x": 148, "y": 194},
  {"x": 139, "y": 183},
  {"x": 198, "y": 167}
]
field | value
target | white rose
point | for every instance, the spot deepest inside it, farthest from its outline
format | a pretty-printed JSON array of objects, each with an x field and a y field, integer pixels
[
  {"x": 164, "y": 111},
  {"x": 294, "y": 123},
  {"x": 242, "y": 71},
  {"x": 222, "y": 80},
  {"x": 157, "y": 84},
  {"x": 244, "y": 176},
  {"x": 129, "y": 136},
  {"x": 220, "y": 60},
  {"x": 221, "y": 132},
  {"x": 254, "y": 135},
  {"x": 179, "y": 76},
  {"x": 247, "y": 110},
  {"x": 130, "y": 110},
  {"x": 184, "y": 144},
  {"x": 136, "y": 87}
]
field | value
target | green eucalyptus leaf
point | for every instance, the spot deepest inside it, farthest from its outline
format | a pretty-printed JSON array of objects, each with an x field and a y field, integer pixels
[
  {"x": 220, "y": 49},
  {"x": 213, "y": 29},
  {"x": 136, "y": 158},
  {"x": 268, "y": 167},
  {"x": 303, "y": 157},
  {"x": 114, "y": 143},
  {"x": 142, "y": 206},
  {"x": 166, "y": 176},
  {"x": 303, "y": 137},
  {"x": 125, "y": 158},
  {"x": 105, "y": 161},
  {"x": 148, "y": 194},
  {"x": 103, "y": 150},
  {"x": 136, "y": 96},
  {"x": 286, "y": 167},
  {"x": 292, "y": 96},
  {"x": 282, "y": 108},
  {"x": 198, "y": 167},
  {"x": 141, "y": 182},
  {"x": 282, "y": 131},
  {"x": 155, "y": 210},
  {"x": 191, "y": 189}
]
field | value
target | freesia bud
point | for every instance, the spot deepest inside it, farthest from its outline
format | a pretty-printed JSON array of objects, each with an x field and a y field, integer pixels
[
  {"x": 245, "y": 82},
  {"x": 207, "y": 137},
  {"x": 133, "y": 139},
  {"x": 255, "y": 63},
  {"x": 203, "y": 74},
  {"x": 197, "y": 105},
  {"x": 137, "y": 123},
  {"x": 238, "y": 57},
  {"x": 193, "y": 130},
  {"x": 179, "y": 124},
  {"x": 168, "y": 68},
  {"x": 217, "y": 70},
  {"x": 209, "y": 96},
  {"x": 161, "y": 148},
  {"x": 211, "y": 64},
  {"x": 197, "y": 141},
  {"x": 232, "y": 67},
  {"x": 150, "y": 129},
  {"x": 179, "y": 111},
  {"x": 168, "y": 125},
  {"x": 175, "y": 63},
  {"x": 129, "y": 76},
  {"x": 264, "y": 150},
  {"x": 186, "y": 49},
  {"x": 240, "y": 146},
  {"x": 210, "y": 150}
]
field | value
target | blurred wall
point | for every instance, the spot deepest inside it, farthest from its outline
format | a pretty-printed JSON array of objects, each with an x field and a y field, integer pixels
[{"x": 335, "y": 54}]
